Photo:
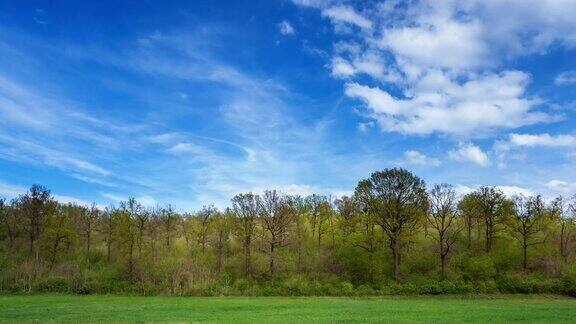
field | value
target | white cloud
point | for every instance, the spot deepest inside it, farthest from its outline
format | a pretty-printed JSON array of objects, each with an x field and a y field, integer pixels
[
  {"x": 561, "y": 186},
  {"x": 344, "y": 14},
  {"x": 341, "y": 68},
  {"x": 286, "y": 28},
  {"x": 533, "y": 140},
  {"x": 462, "y": 190},
  {"x": 441, "y": 105},
  {"x": 439, "y": 42},
  {"x": 522, "y": 27},
  {"x": 444, "y": 60},
  {"x": 470, "y": 153},
  {"x": 415, "y": 157},
  {"x": 568, "y": 77},
  {"x": 508, "y": 190},
  {"x": 511, "y": 191}
]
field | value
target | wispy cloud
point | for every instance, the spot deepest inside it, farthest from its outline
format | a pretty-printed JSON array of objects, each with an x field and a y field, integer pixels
[
  {"x": 566, "y": 78},
  {"x": 286, "y": 28}
]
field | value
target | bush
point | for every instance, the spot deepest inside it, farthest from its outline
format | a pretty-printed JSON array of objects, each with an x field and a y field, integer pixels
[
  {"x": 569, "y": 281},
  {"x": 474, "y": 268},
  {"x": 52, "y": 284}
]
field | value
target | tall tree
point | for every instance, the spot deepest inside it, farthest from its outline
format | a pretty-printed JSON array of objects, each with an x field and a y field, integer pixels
[
  {"x": 127, "y": 233},
  {"x": 86, "y": 220},
  {"x": 443, "y": 218},
  {"x": 493, "y": 206},
  {"x": 107, "y": 227},
  {"x": 140, "y": 217},
  {"x": 347, "y": 210},
  {"x": 316, "y": 204},
  {"x": 204, "y": 216},
  {"x": 58, "y": 235},
  {"x": 37, "y": 204},
  {"x": 168, "y": 218},
  {"x": 222, "y": 227},
  {"x": 527, "y": 222},
  {"x": 469, "y": 207},
  {"x": 9, "y": 223},
  {"x": 301, "y": 209},
  {"x": 275, "y": 214},
  {"x": 246, "y": 209},
  {"x": 564, "y": 213},
  {"x": 398, "y": 200}
]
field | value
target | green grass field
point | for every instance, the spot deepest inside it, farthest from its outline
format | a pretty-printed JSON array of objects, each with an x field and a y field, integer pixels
[{"x": 70, "y": 308}]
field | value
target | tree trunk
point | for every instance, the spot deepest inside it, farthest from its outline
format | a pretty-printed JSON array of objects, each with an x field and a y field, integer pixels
[
  {"x": 562, "y": 243},
  {"x": 88, "y": 238},
  {"x": 469, "y": 242},
  {"x": 524, "y": 251},
  {"x": 219, "y": 253},
  {"x": 108, "y": 244},
  {"x": 54, "y": 251},
  {"x": 271, "y": 266},
  {"x": 10, "y": 248},
  {"x": 443, "y": 267},
  {"x": 247, "y": 257},
  {"x": 396, "y": 254},
  {"x": 488, "y": 247}
]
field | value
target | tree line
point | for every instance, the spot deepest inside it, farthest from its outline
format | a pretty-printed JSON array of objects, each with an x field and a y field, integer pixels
[{"x": 392, "y": 230}]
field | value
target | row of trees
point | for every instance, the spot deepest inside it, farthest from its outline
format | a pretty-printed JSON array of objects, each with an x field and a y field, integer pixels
[{"x": 364, "y": 238}]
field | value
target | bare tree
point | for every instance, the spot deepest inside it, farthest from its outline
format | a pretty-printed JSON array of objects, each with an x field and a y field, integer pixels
[
  {"x": 246, "y": 209},
  {"x": 397, "y": 199},
  {"x": 443, "y": 218}
]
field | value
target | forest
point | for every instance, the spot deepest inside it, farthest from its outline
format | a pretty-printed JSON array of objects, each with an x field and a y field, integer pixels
[{"x": 394, "y": 235}]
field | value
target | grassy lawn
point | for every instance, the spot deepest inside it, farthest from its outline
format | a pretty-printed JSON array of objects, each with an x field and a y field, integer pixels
[{"x": 70, "y": 308}]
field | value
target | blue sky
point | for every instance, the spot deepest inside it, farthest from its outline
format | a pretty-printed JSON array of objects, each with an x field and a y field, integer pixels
[{"x": 191, "y": 102}]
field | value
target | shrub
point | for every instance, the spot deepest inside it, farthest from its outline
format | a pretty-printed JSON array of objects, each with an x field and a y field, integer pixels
[
  {"x": 474, "y": 268},
  {"x": 52, "y": 284}
]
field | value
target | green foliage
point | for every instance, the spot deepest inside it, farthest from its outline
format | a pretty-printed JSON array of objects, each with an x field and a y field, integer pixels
[
  {"x": 374, "y": 243},
  {"x": 474, "y": 268}
]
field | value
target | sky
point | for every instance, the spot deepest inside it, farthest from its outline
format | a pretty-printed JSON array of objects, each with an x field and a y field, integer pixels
[{"x": 192, "y": 102}]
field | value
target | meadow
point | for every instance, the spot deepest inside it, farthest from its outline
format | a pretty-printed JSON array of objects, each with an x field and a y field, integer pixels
[{"x": 63, "y": 308}]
